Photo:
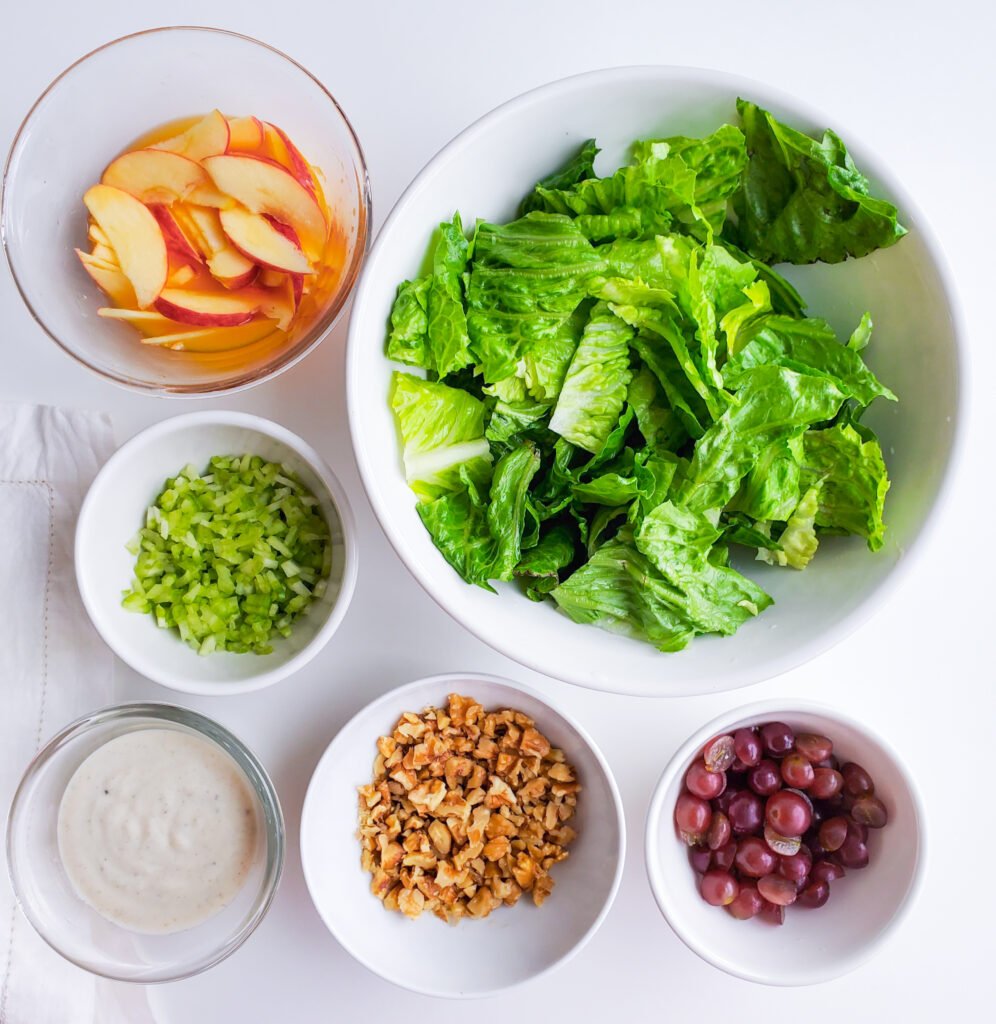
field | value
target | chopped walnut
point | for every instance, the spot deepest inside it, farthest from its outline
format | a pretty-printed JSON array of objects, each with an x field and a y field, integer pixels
[{"x": 466, "y": 812}]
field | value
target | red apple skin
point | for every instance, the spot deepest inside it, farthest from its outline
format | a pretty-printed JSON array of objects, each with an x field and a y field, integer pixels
[
  {"x": 233, "y": 284},
  {"x": 297, "y": 280},
  {"x": 177, "y": 242},
  {"x": 299, "y": 166},
  {"x": 202, "y": 318}
]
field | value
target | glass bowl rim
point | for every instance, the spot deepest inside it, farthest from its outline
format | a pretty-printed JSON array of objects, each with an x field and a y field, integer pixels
[
  {"x": 239, "y": 381},
  {"x": 248, "y": 763}
]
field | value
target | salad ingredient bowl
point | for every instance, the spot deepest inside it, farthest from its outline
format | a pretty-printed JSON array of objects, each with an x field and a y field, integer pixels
[
  {"x": 484, "y": 173},
  {"x": 865, "y": 907},
  {"x": 474, "y": 957},
  {"x": 114, "y": 509}
]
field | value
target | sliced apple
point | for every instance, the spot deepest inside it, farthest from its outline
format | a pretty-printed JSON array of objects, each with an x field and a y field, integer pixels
[
  {"x": 231, "y": 269},
  {"x": 207, "y": 137},
  {"x": 180, "y": 277},
  {"x": 148, "y": 321},
  {"x": 178, "y": 245},
  {"x": 245, "y": 134},
  {"x": 227, "y": 265},
  {"x": 276, "y": 304},
  {"x": 286, "y": 153},
  {"x": 105, "y": 254},
  {"x": 208, "y": 309},
  {"x": 109, "y": 280},
  {"x": 135, "y": 237},
  {"x": 156, "y": 176},
  {"x": 208, "y": 195},
  {"x": 96, "y": 235},
  {"x": 267, "y": 188},
  {"x": 257, "y": 238},
  {"x": 214, "y": 339}
]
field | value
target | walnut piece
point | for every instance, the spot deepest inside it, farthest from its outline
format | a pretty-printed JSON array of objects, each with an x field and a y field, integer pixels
[{"x": 467, "y": 810}]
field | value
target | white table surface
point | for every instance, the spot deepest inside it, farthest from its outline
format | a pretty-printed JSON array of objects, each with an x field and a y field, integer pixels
[{"x": 914, "y": 80}]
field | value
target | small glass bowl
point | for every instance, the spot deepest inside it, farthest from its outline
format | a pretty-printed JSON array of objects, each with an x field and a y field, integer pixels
[
  {"x": 72, "y": 927},
  {"x": 93, "y": 111}
]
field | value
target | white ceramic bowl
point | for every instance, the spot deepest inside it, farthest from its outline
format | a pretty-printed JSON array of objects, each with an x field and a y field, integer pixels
[
  {"x": 473, "y": 958},
  {"x": 483, "y": 173},
  {"x": 114, "y": 509},
  {"x": 865, "y": 907}
]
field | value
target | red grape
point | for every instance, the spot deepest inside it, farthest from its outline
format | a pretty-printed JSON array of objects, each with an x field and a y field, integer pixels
[
  {"x": 747, "y": 746},
  {"x": 700, "y": 857},
  {"x": 724, "y": 857},
  {"x": 778, "y": 738},
  {"x": 797, "y": 771},
  {"x": 813, "y": 747},
  {"x": 754, "y": 858},
  {"x": 703, "y": 783},
  {"x": 719, "y": 833},
  {"x": 764, "y": 778},
  {"x": 788, "y": 813},
  {"x": 718, "y": 754},
  {"x": 870, "y": 811},
  {"x": 776, "y": 889},
  {"x": 772, "y": 913},
  {"x": 784, "y": 846},
  {"x": 748, "y": 902},
  {"x": 796, "y": 868},
  {"x": 826, "y": 870},
  {"x": 814, "y": 895},
  {"x": 826, "y": 783},
  {"x": 719, "y": 888},
  {"x": 857, "y": 781},
  {"x": 746, "y": 812},
  {"x": 692, "y": 815},
  {"x": 832, "y": 834},
  {"x": 858, "y": 830},
  {"x": 853, "y": 853}
]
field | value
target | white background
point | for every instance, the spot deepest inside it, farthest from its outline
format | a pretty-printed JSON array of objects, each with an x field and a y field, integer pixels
[{"x": 916, "y": 82}]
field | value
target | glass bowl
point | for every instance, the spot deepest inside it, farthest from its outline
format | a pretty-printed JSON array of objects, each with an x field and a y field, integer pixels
[
  {"x": 71, "y": 926},
  {"x": 92, "y": 112}
]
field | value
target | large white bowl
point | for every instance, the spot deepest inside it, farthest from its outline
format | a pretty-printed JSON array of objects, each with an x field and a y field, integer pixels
[
  {"x": 865, "y": 907},
  {"x": 483, "y": 173},
  {"x": 473, "y": 958},
  {"x": 114, "y": 509}
]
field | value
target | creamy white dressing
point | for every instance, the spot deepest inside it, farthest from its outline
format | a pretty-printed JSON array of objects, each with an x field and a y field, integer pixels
[{"x": 158, "y": 830}]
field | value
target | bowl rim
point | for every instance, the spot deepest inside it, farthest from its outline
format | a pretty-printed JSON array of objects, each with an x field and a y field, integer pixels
[
  {"x": 780, "y": 708},
  {"x": 735, "y": 677},
  {"x": 239, "y": 381},
  {"x": 215, "y": 732},
  {"x": 337, "y": 494},
  {"x": 445, "y": 680}
]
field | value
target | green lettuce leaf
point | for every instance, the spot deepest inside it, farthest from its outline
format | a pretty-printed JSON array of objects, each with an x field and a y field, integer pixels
[
  {"x": 446, "y": 326},
  {"x": 595, "y": 387},
  {"x": 442, "y": 430},
  {"x": 798, "y": 541},
  {"x": 773, "y": 404},
  {"x": 803, "y": 199},
  {"x": 506, "y": 513},
  {"x": 660, "y": 425},
  {"x": 853, "y": 481},
  {"x": 770, "y": 490},
  {"x": 580, "y": 167},
  {"x": 407, "y": 340}
]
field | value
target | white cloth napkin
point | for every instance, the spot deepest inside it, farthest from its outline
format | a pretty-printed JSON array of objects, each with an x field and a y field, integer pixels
[{"x": 53, "y": 668}]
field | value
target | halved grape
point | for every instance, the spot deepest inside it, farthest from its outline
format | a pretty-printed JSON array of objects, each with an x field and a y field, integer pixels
[
  {"x": 784, "y": 846},
  {"x": 778, "y": 890},
  {"x": 797, "y": 771},
  {"x": 692, "y": 815},
  {"x": 700, "y": 857},
  {"x": 853, "y": 853},
  {"x": 788, "y": 813},
  {"x": 826, "y": 783},
  {"x": 778, "y": 739},
  {"x": 724, "y": 857},
  {"x": 748, "y": 902},
  {"x": 870, "y": 811},
  {"x": 703, "y": 783},
  {"x": 857, "y": 782},
  {"x": 796, "y": 867},
  {"x": 772, "y": 913},
  {"x": 754, "y": 858},
  {"x": 832, "y": 834},
  {"x": 720, "y": 832},
  {"x": 813, "y": 747},
  {"x": 826, "y": 869},
  {"x": 746, "y": 812},
  {"x": 719, "y": 754},
  {"x": 764, "y": 778},
  {"x": 719, "y": 888},
  {"x": 747, "y": 746},
  {"x": 814, "y": 895}
]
